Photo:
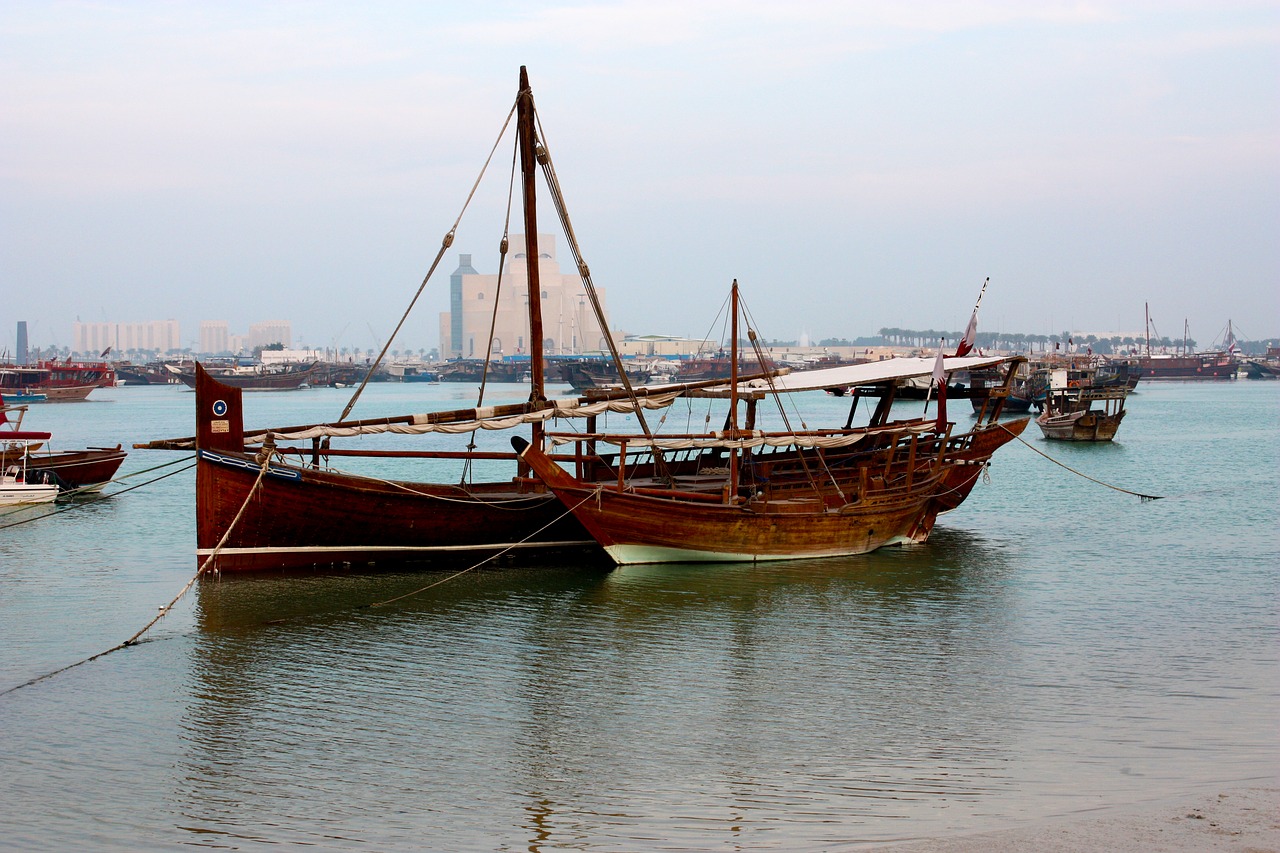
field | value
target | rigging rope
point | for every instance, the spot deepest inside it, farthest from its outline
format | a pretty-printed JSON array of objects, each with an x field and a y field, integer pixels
[
  {"x": 164, "y": 611},
  {"x": 488, "y": 559},
  {"x": 444, "y": 247},
  {"x": 204, "y": 569},
  {"x": 467, "y": 470},
  {"x": 543, "y": 156},
  {"x": 1079, "y": 473},
  {"x": 82, "y": 503},
  {"x": 782, "y": 410}
]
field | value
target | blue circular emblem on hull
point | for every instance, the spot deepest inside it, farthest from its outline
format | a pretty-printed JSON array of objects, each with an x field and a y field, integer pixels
[{"x": 220, "y": 408}]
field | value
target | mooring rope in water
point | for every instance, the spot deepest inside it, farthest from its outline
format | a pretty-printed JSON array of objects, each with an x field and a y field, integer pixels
[
  {"x": 81, "y": 503},
  {"x": 488, "y": 559},
  {"x": 164, "y": 611},
  {"x": 1080, "y": 473}
]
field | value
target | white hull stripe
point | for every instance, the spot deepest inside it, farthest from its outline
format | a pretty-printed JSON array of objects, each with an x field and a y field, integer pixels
[
  {"x": 393, "y": 549},
  {"x": 233, "y": 462},
  {"x": 634, "y": 554}
]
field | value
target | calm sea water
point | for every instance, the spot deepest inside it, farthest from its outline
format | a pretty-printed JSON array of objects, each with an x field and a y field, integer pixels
[{"x": 1055, "y": 647}]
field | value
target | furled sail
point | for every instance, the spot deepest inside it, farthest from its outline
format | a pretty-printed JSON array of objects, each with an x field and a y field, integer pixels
[{"x": 870, "y": 373}]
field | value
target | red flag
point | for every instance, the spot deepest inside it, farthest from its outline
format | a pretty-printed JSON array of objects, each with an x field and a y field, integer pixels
[
  {"x": 3, "y": 419},
  {"x": 940, "y": 378},
  {"x": 970, "y": 333}
]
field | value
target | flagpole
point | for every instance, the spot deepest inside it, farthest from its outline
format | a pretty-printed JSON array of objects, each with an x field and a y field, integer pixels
[
  {"x": 981, "y": 293},
  {"x": 971, "y": 331},
  {"x": 940, "y": 379}
]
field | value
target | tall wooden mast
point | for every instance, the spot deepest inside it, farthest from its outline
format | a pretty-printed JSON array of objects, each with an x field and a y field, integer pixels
[
  {"x": 733, "y": 396},
  {"x": 526, "y": 132}
]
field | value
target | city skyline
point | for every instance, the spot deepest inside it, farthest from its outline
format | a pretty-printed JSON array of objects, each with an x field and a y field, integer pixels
[{"x": 853, "y": 165}]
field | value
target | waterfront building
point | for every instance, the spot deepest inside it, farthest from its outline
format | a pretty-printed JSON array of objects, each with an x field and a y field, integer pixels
[
  {"x": 215, "y": 337},
  {"x": 150, "y": 336},
  {"x": 569, "y": 324},
  {"x": 271, "y": 332},
  {"x": 22, "y": 342}
]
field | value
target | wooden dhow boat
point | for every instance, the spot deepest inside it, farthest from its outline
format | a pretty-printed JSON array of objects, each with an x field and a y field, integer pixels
[
  {"x": 1082, "y": 414},
  {"x": 18, "y": 485},
  {"x": 1185, "y": 364},
  {"x": 57, "y": 381},
  {"x": 276, "y": 498},
  {"x": 258, "y": 377},
  {"x": 1076, "y": 409},
  {"x": 80, "y": 470},
  {"x": 744, "y": 493}
]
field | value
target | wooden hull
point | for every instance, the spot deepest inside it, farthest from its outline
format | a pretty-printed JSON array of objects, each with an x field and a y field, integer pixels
[
  {"x": 78, "y": 469},
  {"x": 309, "y": 518},
  {"x": 64, "y": 393},
  {"x": 140, "y": 374},
  {"x": 649, "y": 528},
  {"x": 68, "y": 393},
  {"x": 599, "y": 375},
  {"x": 967, "y": 457},
  {"x": 475, "y": 371},
  {"x": 59, "y": 381},
  {"x": 287, "y": 381},
  {"x": 1185, "y": 367},
  {"x": 1261, "y": 370},
  {"x": 1091, "y": 425}
]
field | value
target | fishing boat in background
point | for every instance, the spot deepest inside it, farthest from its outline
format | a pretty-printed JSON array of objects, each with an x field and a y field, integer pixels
[
  {"x": 477, "y": 370},
  {"x": 1080, "y": 410},
  {"x": 19, "y": 486},
  {"x": 1185, "y": 364},
  {"x": 79, "y": 470},
  {"x": 746, "y": 493},
  {"x": 82, "y": 471},
  {"x": 582, "y": 374},
  {"x": 1256, "y": 368},
  {"x": 152, "y": 373},
  {"x": 411, "y": 373},
  {"x": 25, "y": 397},
  {"x": 1025, "y": 390},
  {"x": 1109, "y": 374},
  {"x": 59, "y": 381},
  {"x": 720, "y": 365},
  {"x": 257, "y": 377},
  {"x": 1200, "y": 365}
]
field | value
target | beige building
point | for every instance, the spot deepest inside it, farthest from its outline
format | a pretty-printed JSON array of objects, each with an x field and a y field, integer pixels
[
  {"x": 153, "y": 336},
  {"x": 666, "y": 346},
  {"x": 271, "y": 332},
  {"x": 215, "y": 337},
  {"x": 569, "y": 325}
]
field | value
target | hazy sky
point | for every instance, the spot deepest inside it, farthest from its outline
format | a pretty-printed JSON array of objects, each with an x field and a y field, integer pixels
[{"x": 854, "y": 165}]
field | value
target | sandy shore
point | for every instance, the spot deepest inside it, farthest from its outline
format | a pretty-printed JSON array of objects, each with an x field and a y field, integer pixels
[{"x": 1243, "y": 820}]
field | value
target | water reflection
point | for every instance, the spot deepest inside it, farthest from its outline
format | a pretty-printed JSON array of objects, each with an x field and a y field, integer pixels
[{"x": 594, "y": 708}]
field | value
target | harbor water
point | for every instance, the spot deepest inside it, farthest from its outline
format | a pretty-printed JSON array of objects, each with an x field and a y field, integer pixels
[{"x": 1056, "y": 647}]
